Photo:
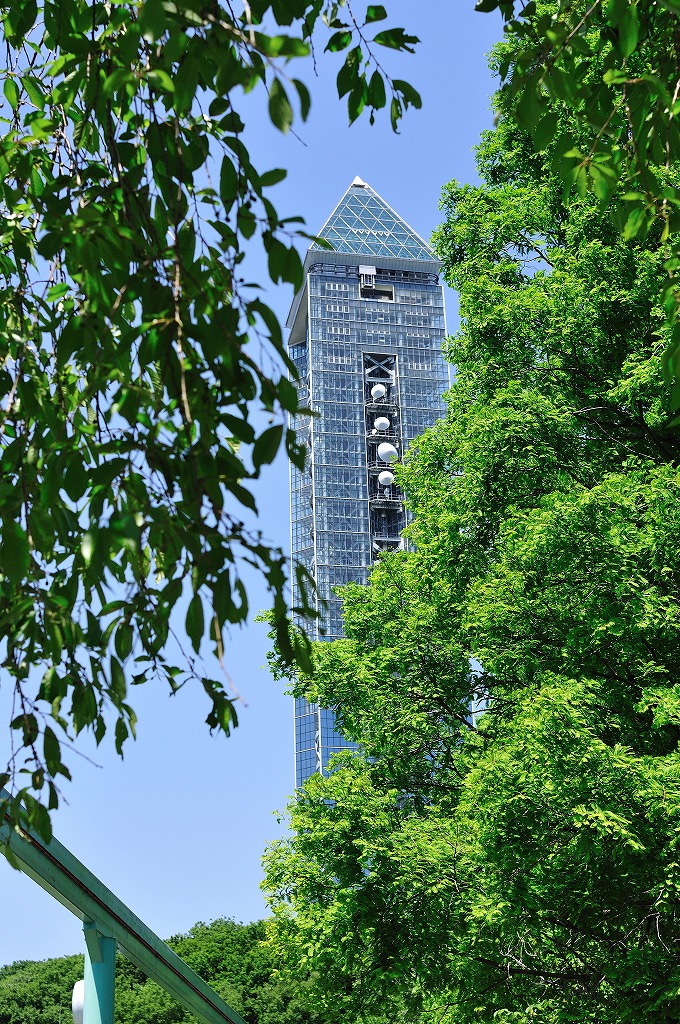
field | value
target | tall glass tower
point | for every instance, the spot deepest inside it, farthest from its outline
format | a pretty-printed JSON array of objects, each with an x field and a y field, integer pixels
[{"x": 366, "y": 336}]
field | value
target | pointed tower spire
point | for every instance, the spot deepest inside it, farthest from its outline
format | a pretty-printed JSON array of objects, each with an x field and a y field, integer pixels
[{"x": 364, "y": 224}]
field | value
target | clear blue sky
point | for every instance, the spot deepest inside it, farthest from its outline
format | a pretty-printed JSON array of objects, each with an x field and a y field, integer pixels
[{"x": 178, "y": 828}]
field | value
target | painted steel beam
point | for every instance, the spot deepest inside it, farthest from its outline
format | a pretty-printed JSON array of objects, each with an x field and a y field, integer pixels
[{"x": 62, "y": 875}]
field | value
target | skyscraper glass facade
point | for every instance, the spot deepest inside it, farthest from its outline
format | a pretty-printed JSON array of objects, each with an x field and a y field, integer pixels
[{"x": 366, "y": 337}]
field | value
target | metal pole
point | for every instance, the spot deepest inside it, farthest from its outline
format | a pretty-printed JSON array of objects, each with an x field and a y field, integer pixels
[{"x": 100, "y": 976}]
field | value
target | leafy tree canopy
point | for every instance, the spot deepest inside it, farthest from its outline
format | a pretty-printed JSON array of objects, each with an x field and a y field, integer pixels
[
  {"x": 521, "y": 864},
  {"x": 143, "y": 384},
  {"x": 230, "y": 957},
  {"x": 613, "y": 64}
]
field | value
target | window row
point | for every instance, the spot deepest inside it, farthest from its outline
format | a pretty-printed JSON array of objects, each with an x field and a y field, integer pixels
[
  {"x": 425, "y": 294},
  {"x": 345, "y": 418},
  {"x": 335, "y": 387},
  {"x": 421, "y": 390},
  {"x": 323, "y": 312},
  {"x": 333, "y": 287},
  {"x": 361, "y": 333},
  {"x": 305, "y": 556},
  {"x": 303, "y": 707},
  {"x": 332, "y": 621},
  {"x": 341, "y": 524},
  {"x": 348, "y": 507},
  {"x": 335, "y": 548},
  {"x": 342, "y": 450},
  {"x": 339, "y": 481},
  {"x": 412, "y": 361},
  {"x": 417, "y": 420},
  {"x": 305, "y": 732},
  {"x": 339, "y": 576}
]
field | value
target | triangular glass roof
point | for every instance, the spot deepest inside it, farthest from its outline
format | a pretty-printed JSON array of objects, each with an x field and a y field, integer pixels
[{"x": 362, "y": 223}]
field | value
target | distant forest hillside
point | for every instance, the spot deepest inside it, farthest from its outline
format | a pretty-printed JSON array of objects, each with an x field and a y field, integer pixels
[{"x": 227, "y": 955}]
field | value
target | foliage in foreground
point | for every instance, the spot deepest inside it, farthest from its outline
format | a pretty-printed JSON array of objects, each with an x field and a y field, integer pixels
[
  {"x": 143, "y": 384},
  {"x": 522, "y": 865},
  {"x": 230, "y": 957}
]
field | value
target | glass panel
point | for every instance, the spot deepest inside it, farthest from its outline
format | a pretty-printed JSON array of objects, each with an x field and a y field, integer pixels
[{"x": 363, "y": 223}]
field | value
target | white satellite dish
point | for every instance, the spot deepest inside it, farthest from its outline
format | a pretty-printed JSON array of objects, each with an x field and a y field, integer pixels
[
  {"x": 378, "y": 391},
  {"x": 78, "y": 1001},
  {"x": 387, "y": 452},
  {"x": 382, "y": 424},
  {"x": 386, "y": 479}
]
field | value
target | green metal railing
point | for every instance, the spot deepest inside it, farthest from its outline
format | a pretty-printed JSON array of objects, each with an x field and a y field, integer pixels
[{"x": 108, "y": 924}]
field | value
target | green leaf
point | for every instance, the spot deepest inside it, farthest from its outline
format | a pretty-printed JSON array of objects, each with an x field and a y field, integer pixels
[
  {"x": 223, "y": 713},
  {"x": 636, "y": 223},
  {"x": 347, "y": 75},
  {"x": 284, "y": 263},
  {"x": 283, "y": 46},
  {"x": 83, "y": 706},
  {"x": 228, "y": 182},
  {"x": 246, "y": 222},
  {"x": 241, "y": 429},
  {"x": 615, "y": 10},
  {"x": 375, "y": 12},
  {"x": 195, "y": 623},
  {"x": 124, "y": 638},
  {"x": 87, "y": 546},
  {"x": 629, "y": 30},
  {"x": 297, "y": 453},
  {"x": 356, "y": 100},
  {"x": 396, "y": 111},
  {"x": 121, "y": 734},
  {"x": 280, "y": 110},
  {"x": 14, "y": 552},
  {"x": 118, "y": 685},
  {"x": 532, "y": 105},
  {"x": 11, "y": 91},
  {"x": 376, "y": 91},
  {"x": 604, "y": 178},
  {"x": 39, "y": 820},
  {"x": 304, "y": 97},
  {"x": 161, "y": 79},
  {"x": 52, "y": 751},
  {"x": 34, "y": 91},
  {"x": 396, "y": 39},
  {"x": 545, "y": 130},
  {"x": 272, "y": 177},
  {"x": 117, "y": 80},
  {"x": 152, "y": 20},
  {"x": 19, "y": 20},
  {"x": 339, "y": 41},
  {"x": 58, "y": 291},
  {"x": 267, "y": 445},
  {"x": 409, "y": 94}
]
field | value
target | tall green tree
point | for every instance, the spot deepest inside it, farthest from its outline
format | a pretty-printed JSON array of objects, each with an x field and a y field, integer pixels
[
  {"x": 143, "y": 385},
  {"x": 521, "y": 864}
]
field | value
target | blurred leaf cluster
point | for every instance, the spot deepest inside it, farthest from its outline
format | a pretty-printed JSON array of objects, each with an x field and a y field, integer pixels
[{"x": 144, "y": 384}]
